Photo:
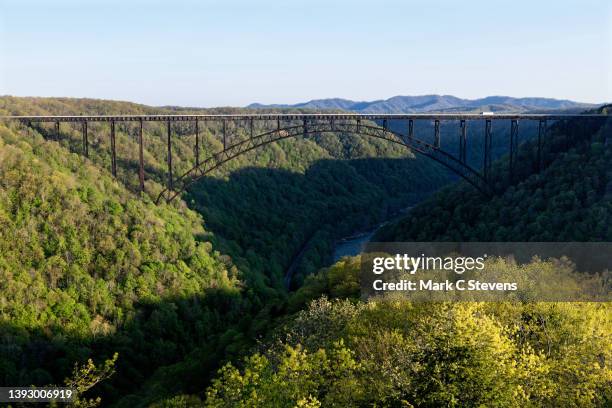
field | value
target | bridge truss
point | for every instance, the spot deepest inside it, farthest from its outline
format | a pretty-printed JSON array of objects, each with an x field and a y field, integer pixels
[{"x": 302, "y": 125}]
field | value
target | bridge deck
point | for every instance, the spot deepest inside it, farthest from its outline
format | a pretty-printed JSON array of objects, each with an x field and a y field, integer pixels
[{"x": 299, "y": 116}]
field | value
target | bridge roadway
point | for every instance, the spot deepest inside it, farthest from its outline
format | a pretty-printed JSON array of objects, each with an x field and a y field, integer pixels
[{"x": 299, "y": 116}]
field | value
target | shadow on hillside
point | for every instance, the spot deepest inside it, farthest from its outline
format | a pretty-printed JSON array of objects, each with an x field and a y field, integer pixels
[
  {"x": 197, "y": 332},
  {"x": 266, "y": 216}
]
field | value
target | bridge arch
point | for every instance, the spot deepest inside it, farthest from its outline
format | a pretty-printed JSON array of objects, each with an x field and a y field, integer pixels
[{"x": 217, "y": 159}]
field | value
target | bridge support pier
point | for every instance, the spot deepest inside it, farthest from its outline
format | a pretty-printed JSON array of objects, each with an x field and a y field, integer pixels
[
  {"x": 57, "y": 130},
  {"x": 170, "y": 154},
  {"x": 410, "y": 129},
  {"x": 197, "y": 143},
  {"x": 85, "y": 142},
  {"x": 224, "y": 133},
  {"x": 541, "y": 135},
  {"x": 513, "y": 148},
  {"x": 437, "y": 134},
  {"x": 113, "y": 149},
  {"x": 487, "y": 150},
  {"x": 463, "y": 141},
  {"x": 140, "y": 158}
]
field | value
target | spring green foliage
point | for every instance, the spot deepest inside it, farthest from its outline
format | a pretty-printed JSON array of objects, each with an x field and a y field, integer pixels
[
  {"x": 64, "y": 237},
  {"x": 398, "y": 354},
  {"x": 294, "y": 379},
  {"x": 87, "y": 376},
  {"x": 456, "y": 354},
  {"x": 269, "y": 204},
  {"x": 89, "y": 267}
]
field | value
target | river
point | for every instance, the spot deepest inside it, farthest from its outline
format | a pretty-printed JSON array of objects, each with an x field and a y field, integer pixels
[
  {"x": 355, "y": 244},
  {"x": 351, "y": 246},
  {"x": 348, "y": 246}
]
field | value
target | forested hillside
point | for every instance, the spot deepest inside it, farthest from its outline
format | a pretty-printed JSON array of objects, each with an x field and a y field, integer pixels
[
  {"x": 395, "y": 354},
  {"x": 88, "y": 269},
  {"x": 569, "y": 200},
  {"x": 91, "y": 268},
  {"x": 337, "y": 350},
  {"x": 268, "y": 204}
]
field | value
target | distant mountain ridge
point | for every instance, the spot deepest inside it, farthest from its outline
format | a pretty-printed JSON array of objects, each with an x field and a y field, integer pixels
[{"x": 435, "y": 103}]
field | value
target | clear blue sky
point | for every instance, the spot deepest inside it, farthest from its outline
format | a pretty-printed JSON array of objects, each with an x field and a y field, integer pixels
[{"x": 231, "y": 52}]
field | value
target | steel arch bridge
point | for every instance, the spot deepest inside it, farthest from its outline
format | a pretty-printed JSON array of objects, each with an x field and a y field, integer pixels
[
  {"x": 295, "y": 125},
  {"x": 230, "y": 152}
]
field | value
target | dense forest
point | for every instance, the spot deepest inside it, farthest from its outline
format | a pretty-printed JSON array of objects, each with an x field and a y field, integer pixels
[
  {"x": 92, "y": 268},
  {"x": 345, "y": 352},
  {"x": 268, "y": 204},
  {"x": 334, "y": 349},
  {"x": 88, "y": 270},
  {"x": 568, "y": 200},
  {"x": 184, "y": 305}
]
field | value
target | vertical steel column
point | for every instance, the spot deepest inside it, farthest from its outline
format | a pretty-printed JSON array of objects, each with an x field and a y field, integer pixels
[
  {"x": 463, "y": 141},
  {"x": 251, "y": 128},
  {"x": 278, "y": 124},
  {"x": 410, "y": 128},
  {"x": 169, "y": 156},
  {"x": 385, "y": 125},
  {"x": 85, "y": 143},
  {"x": 333, "y": 124},
  {"x": 437, "y": 134},
  {"x": 113, "y": 150},
  {"x": 305, "y": 128},
  {"x": 513, "y": 148},
  {"x": 358, "y": 125},
  {"x": 141, "y": 157},
  {"x": 57, "y": 130},
  {"x": 541, "y": 134},
  {"x": 487, "y": 150},
  {"x": 197, "y": 143},
  {"x": 567, "y": 138},
  {"x": 224, "y": 133}
]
